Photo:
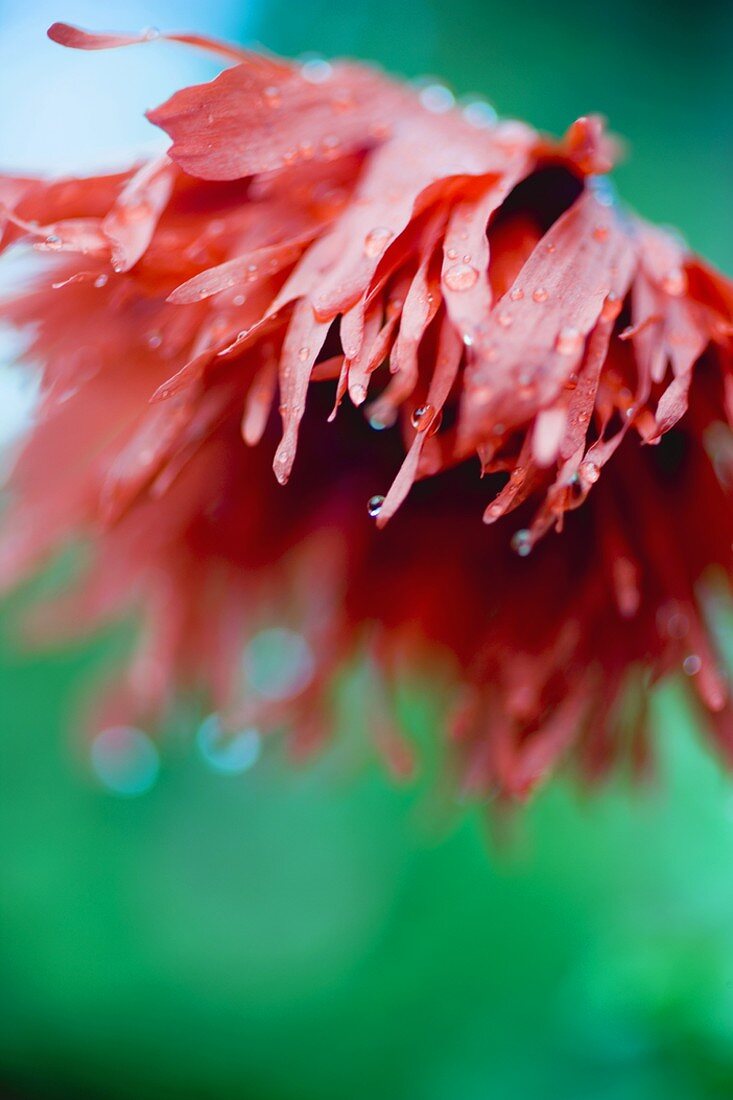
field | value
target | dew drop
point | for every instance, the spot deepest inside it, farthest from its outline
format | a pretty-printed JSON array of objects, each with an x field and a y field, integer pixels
[
  {"x": 569, "y": 340},
  {"x": 53, "y": 240},
  {"x": 480, "y": 114},
  {"x": 316, "y": 70},
  {"x": 426, "y": 419},
  {"x": 437, "y": 98},
  {"x": 377, "y": 240},
  {"x": 603, "y": 190},
  {"x": 691, "y": 664},
  {"x": 303, "y": 354},
  {"x": 522, "y": 542},
  {"x": 418, "y": 415},
  {"x": 505, "y": 319},
  {"x": 460, "y": 277},
  {"x": 238, "y": 300},
  {"x": 100, "y": 281},
  {"x": 374, "y": 505},
  {"x": 590, "y": 472},
  {"x": 675, "y": 282},
  {"x": 154, "y": 340},
  {"x": 517, "y": 294},
  {"x": 540, "y": 294},
  {"x": 272, "y": 95}
]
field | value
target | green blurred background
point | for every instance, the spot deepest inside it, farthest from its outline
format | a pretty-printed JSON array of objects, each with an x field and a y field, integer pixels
[{"x": 321, "y": 933}]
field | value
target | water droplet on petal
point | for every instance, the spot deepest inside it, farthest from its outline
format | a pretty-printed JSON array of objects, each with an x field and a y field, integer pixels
[
  {"x": 374, "y": 505},
  {"x": 590, "y": 472},
  {"x": 675, "y": 282},
  {"x": 330, "y": 144},
  {"x": 437, "y": 98},
  {"x": 569, "y": 340},
  {"x": 316, "y": 70},
  {"x": 426, "y": 419},
  {"x": 460, "y": 277},
  {"x": 540, "y": 294},
  {"x": 377, "y": 240},
  {"x": 272, "y": 95},
  {"x": 517, "y": 294},
  {"x": 53, "y": 240},
  {"x": 480, "y": 114},
  {"x": 603, "y": 190},
  {"x": 691, "y": 664},
  {"x": 505, "y": 319},
  {"x": 100, "y": 281},
  {"x": 303, "y": 354},
  {"x": 522, "y": 542},
  {"x": 154, "y": 340}
]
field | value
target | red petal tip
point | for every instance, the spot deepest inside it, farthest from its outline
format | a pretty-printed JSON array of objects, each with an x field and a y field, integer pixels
[{"x": 75, "y": 38}]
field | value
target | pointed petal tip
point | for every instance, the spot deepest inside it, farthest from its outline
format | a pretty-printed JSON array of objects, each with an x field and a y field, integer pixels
[
  {"x": 283, "y": 462},
  {"x": 76, "y": 38},
  {"x": 357, "y": 393}
]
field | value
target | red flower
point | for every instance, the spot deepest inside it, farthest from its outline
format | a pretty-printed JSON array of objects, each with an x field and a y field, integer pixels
[{"x": 471, "y": 288}]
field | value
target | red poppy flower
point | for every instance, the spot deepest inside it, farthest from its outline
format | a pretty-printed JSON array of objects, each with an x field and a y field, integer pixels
[{"x": 453, "y": 317}]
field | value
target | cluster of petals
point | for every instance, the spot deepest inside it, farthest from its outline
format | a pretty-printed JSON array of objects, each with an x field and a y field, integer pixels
[{"x": 290, "y": 365}]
